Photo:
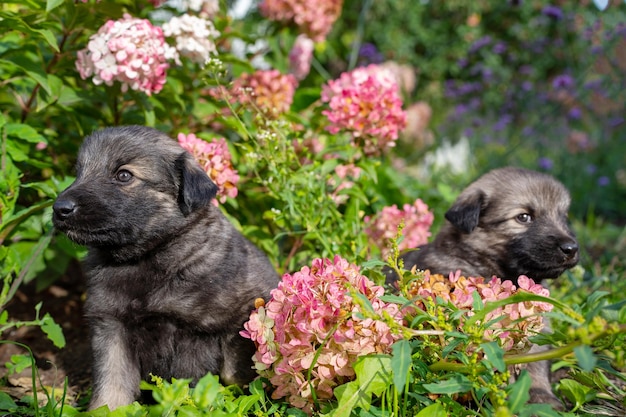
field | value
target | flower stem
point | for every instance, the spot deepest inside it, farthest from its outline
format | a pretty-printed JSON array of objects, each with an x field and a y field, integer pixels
[{"x": 554, "y": 353}]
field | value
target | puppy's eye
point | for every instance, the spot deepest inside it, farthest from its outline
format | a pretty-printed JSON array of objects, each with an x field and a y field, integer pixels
[
  {"x": 524, "y": 218},
  {"x": 123, "y": 175}
]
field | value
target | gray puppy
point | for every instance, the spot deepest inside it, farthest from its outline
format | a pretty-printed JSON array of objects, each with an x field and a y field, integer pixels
[
  {"x": 170, "y": 280},
  {"x": 509, "y": 222}
]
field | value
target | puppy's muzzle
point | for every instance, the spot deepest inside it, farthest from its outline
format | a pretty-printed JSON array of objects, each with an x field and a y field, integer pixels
[
  {"x": 64, "y": 208},
  {"x": 569, "y": 249}
]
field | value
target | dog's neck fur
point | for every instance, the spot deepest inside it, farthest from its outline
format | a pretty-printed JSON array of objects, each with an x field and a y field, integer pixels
[{"x": 452, "y": 242}]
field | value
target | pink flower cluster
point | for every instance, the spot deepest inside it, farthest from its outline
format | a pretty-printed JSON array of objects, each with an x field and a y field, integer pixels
[
  {"x": 383, "y": 227},
  {"x": 268, "y": 91},
  {"x": 215, "y": 159},
  {"x": 517, "y": 321},
  {"x": 313, "y": 20},
  {"x": 313, "y": 325},
  {"x": 367, "y": 103},
  {"x": 300, "y": 57},
  {"x": 130, "y": 51}
]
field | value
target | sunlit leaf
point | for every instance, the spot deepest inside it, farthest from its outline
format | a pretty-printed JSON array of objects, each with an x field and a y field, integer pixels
[
  {"x": 53, "y": 331},
  {"x": 433, "y": 410}
]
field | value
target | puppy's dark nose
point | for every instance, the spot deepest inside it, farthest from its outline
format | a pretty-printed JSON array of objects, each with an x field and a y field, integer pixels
[
  {"x": 569, "y": 249},
  {"x": 63, "y": 209}
]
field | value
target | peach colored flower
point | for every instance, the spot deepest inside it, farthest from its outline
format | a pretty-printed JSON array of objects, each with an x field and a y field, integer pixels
[
  {"x": 318, "y": 328},
  {"x": 383, "y": 227},
  {"x": 314, "y": 20},
  {"x": 267, "y": 91}
]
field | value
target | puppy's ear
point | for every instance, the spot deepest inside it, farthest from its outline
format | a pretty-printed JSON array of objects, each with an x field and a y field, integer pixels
[
  {"x": 465, "y": 212},
  {"x": 196, "y": 188}
]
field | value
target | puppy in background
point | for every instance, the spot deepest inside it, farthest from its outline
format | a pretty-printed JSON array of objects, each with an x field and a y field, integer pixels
[
  {"x": 509, "y": 222},
  {"x": 170, "y": 280}
]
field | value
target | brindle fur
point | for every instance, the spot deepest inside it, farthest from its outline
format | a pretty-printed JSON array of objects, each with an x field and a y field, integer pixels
[
  {"x": 484, "y": 234},
  {"x": 170, "y": 280},
  {"x": 509, "y": 222}
]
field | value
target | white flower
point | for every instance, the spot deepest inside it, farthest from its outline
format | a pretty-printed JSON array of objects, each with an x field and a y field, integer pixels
[{"x": 193, "y": 35}]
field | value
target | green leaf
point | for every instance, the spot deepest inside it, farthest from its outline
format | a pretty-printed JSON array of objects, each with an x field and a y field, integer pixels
[
  {"x": 53, "y": 331},
  {"x": 32, "y": 69},
  {"x": 401, "y": 363},
  {"x": 575, "y": 392},
  {"x": 24, "y": 132},
  {"x": 19, "y": 363},
  {"x": 53, "y": 4},
  {"x": 433, "y": 410},
  {"x": 495, "y": 355},
  {"x": 207, "y": 391},
  {"x": 519, "y": 392},
  {"x": 7, "y": 403},
  {"x": 455, "y": 385},
  {"x": 586, "y": 358},
  {"x": 372, "y": 378}
]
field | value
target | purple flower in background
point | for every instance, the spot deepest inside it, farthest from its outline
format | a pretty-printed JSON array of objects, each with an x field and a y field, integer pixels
[
  {"x": 499, "y": 48},
  {"x": 545, "y": 163},
  {"x": 369, "y": 54},
  {"x": 487, "y": 74},
  {"x": 597, "y": 50},
  {"x": 553, "y": 12},
  {"x": 575, "y": 113},
  {"x": 603, "y": 181},
  {"x": 594, "y": 85},
  {"x": 591, "y": 169},
  {"x": 616, "y": 121},
  {"x": 468, "y": 88},
  {"x": 526, "y": 70},
  {"x": 562, "y": 82},
  {"x": 479, "y": 44},
  {"x": 503, "y": 122},
  {"x": 460, "y": 110}
]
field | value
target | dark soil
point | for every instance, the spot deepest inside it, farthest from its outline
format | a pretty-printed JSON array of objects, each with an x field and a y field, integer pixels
[{"x": 64, "y": 302}]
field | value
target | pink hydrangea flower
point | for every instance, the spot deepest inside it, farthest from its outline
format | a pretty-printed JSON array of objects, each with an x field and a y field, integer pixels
[
  {"x": 193, "y": 35},
  {"x": 300, "y": 57},
  {"x": 366, "y": 103},
  {"x": 130, "y": 51},
  {"x": 313, "y": 20},
  {"x": 383, "y": 227},
  {"x": 515, "y": 322},
  {"x": 215, "y": 159},
  {"x": 267, "y": 91},
  {"x": 312, "y": 312}
]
